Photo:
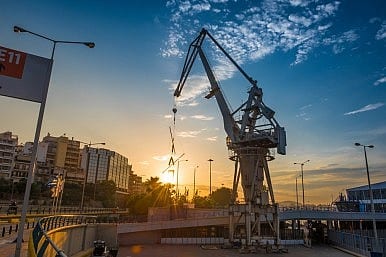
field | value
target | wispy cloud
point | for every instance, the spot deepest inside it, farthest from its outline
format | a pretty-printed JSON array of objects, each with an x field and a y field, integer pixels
[
  {"x": 366, "y": 108},
  {"x": 162, "y": 157},
  {"x": 381, "y": 33},
  {"x": 202, "y": 117},
  {"x": 212, "y": 138},
  {"x": 192, "y": 133},
  {"x": 303, "y": 114},
  {"x": 380, "y": 81},
  {"x": 251, "y": 33}
]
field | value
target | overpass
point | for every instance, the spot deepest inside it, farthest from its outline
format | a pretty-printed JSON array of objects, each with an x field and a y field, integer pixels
[{"x": 220, "y": 217}]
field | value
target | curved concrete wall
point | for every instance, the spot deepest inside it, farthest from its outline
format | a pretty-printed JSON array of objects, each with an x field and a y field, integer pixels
[{"x": 74, "y": 240}]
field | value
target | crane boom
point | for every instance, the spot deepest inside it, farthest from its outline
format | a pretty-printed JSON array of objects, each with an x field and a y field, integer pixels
[{"x": 244, "y": 131}]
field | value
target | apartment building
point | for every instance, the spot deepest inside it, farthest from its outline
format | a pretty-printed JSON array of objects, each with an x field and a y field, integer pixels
[
  {"x": 103, "y": 164},
  {"x": 8, "y": 143}
]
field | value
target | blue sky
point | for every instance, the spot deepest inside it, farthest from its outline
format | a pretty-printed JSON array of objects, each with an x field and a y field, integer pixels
[{"x": 320, "y": 64}]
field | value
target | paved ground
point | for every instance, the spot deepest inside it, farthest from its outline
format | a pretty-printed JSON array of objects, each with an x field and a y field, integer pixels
[
  {"x": 8, "y": 245},
  {"x": 197, "y": 251}
]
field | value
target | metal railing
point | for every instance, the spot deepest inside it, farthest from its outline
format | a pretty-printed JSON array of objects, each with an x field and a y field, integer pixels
[
  {"x": 357, "y": 243},
  {"x": 40, "y": 241}
]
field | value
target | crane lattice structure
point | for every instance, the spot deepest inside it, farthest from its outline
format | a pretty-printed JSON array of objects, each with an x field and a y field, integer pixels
[{"x": 250, "y": 138}]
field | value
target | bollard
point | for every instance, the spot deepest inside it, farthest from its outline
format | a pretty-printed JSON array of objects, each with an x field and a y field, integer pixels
[
  {"x": 17, "y": 227},
  {"x": 10, "y": 230},
  {"x": 3, "y": 232}
]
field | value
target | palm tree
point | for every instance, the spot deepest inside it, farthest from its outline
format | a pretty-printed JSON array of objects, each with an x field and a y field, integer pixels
[{"x": 152, "y": 184}]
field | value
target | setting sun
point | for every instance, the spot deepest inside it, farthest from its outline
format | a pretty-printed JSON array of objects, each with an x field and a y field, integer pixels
[{"x": 168, "y": 176}]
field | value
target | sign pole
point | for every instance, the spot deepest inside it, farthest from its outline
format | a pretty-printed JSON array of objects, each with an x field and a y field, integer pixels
[{"x": 32, "y": 167}]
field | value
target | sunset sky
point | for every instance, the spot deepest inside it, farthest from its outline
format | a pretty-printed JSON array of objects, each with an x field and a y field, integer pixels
[{"x": 321, "y": 65}]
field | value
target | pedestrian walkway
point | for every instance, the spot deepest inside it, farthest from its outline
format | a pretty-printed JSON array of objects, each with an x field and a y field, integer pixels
[{"x": 8, "y": 244}]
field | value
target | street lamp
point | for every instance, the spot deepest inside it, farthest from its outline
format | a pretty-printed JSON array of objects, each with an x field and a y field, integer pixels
[
  {"x": 210, "y": 176},
  {"x": 194, "y": 184},
  {"x": 370, "y": 190},
  {"x": 18, "y": 29},
  {"x": 86, "y": 172},
  {"x": 301, "y": 166},
  {"x": 37, "y": 132},
  {"x": 297, "y": 195},
  {"x": 178, "y": 167}
]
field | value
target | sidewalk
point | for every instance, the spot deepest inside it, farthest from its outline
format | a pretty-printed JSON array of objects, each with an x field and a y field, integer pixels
[{"x": 8, "y": 244}]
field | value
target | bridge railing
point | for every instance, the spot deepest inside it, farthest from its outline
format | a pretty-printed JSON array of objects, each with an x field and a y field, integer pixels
[
  {"x": 40, "y": 241},
  {"x": 357, "y": 243}
]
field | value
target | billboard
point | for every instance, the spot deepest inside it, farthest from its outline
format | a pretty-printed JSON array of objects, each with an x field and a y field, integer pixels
[{"x": 22, "y": 75}]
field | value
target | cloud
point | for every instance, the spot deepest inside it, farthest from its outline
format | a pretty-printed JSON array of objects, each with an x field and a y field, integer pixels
[
  {"x": 380, "y": 81},
  {"x": 339, "y": 42},
  {"x": 366, "y": 108},
  {"x": 212, "y": 138},
  {"x": 144, "y": 162},
  {"x": 191, "y": 134},
  {"x": 202, "y": 117},
  {"x": 381, "y": 33},
  {"x": 162, "y": 157},
  {"x": 251, "y": 33}
]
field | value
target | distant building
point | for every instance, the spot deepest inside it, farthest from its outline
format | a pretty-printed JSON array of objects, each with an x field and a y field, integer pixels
[
  {"x": 61, "y": 155},
  {"x": 135, "y": 184},
  {"x": 103, "y": 164},
  {"x": 357, "y": 199},
  {"x": 23, "y": 160},
  {"x": 8, "y": 143}
]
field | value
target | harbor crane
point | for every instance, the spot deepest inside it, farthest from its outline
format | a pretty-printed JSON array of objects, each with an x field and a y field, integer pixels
[{"x": 251, "y": 137}]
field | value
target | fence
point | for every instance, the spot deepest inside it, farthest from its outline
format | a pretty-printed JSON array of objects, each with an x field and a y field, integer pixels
[
  {"x": 364, "y": 245},
  {"x": 40, "y": 242}
]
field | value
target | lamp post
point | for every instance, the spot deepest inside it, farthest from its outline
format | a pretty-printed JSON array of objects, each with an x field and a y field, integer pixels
[
  {"x": 301, "y": 167},
  {"x": 37, "y": 132},
  {"x": 210, "y": 176},
  {"x": 86, "y": 172},
  {"x": 370, "y": 190},
  {"x": 297, "y": 195},
  {"x": 178, "y": 167},
  {"x": 194, "y": 184}
]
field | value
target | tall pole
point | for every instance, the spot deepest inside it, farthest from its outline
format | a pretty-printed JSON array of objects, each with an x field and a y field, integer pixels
[
  {"x": 297, "y": 195},
  {"x": 178, "y": 168},
  {"x": 32, "y": 167},
  {"x": 301, "y": 168},
  {"x": 194, "y": 184},
  {"x": 370, "y": 190},
  {"x": 210, "y": 176}
]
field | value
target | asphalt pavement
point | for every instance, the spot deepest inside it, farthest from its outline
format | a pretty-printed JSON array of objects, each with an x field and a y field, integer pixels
[{"x": 197, "y": 251}]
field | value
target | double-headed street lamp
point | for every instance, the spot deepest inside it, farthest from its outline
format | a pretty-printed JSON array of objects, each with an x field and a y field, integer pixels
[
  {"x": 301, "y": 167},
  {"x": 18, "y": 29},
  {"x": 370, "y": 190},
  {"x": 86, "y": 171},
  {"x": 210, "y": 176},
  {"x": 37, "y": 132}
]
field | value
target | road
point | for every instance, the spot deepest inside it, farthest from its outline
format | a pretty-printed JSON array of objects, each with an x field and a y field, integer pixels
[{"x": 197, "y": 251}]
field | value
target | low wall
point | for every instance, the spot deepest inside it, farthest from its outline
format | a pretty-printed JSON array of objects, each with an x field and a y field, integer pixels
[{"x": 78, "y": 238}]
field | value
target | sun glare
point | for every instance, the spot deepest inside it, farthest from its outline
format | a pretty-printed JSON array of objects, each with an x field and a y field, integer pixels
[{"x": 168, "y": 177}]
